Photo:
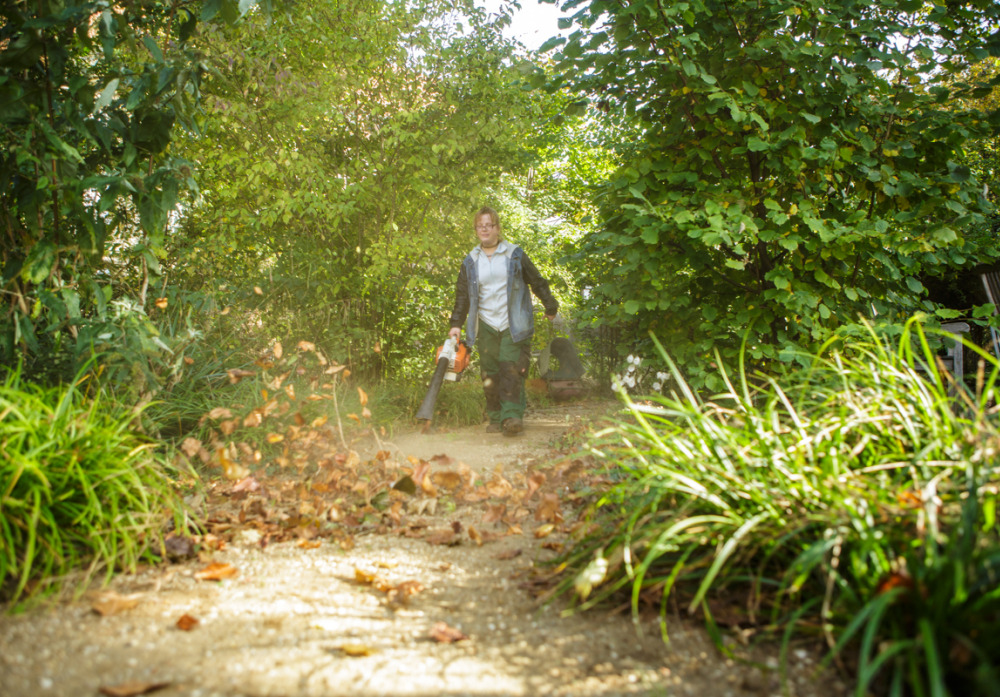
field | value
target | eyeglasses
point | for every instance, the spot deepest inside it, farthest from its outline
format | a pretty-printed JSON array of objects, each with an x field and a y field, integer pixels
[{"x": 489, "y": 226}]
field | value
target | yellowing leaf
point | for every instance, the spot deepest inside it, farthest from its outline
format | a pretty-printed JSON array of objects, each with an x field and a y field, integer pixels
[
  {"x": 161, "y": 303},
  {"x": 593, "y": 575},
  {"x": 275, "y": 438},
  {"x": 319, "y": 421},
  {"x": 544, "y": 530},
  {"x": 356, "y": 650}
]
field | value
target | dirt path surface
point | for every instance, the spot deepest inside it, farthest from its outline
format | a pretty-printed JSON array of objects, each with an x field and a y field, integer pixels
[{"x": 396, "y": 609}]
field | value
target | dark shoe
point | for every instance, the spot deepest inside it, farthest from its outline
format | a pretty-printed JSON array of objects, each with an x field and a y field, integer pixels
[
  {"x": 511, "y": 427},
  {"x": 494, "y": 428}
]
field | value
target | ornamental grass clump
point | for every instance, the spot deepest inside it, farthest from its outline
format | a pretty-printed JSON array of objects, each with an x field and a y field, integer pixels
[
  {"x": 80, "y": 492},
  {"x": 854, "y": 504}
]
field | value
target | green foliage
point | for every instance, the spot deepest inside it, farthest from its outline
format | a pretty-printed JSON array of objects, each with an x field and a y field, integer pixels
[
  {"x": 345, "y": 151},
  {"x": 79, "y": 489},
  {"x": 784, "y": 168},
  {"x": 861, "y": 498},
  {"x": 92, "y": 94}
]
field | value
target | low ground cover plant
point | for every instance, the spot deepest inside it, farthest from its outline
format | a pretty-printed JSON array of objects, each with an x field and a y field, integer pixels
[
  {"x": 853, "y": 504},
  {"x": 81, "y": 492}
]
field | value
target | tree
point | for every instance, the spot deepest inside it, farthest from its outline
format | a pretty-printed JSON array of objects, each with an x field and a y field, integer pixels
[
  {"x": 92, "y": 92},
  {"x": 346, "y": 147},
  {"x": 792, "y": 165}
]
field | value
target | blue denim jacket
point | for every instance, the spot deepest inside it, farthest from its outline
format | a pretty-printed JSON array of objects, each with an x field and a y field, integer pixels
[{"x": 522, "y": 276}]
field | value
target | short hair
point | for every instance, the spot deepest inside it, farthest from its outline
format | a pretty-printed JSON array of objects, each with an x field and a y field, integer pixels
[{"x": 486, "y": 210}]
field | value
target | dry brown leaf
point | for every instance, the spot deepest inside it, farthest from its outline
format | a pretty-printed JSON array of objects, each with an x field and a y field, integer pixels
[
  {"x": 334, "y": 369},
  {"x": 246, "y": 484},
  {"x": 306, "y": 346},
  {"x": 319, "y": 420},
  {"x": 225, "y": 311},
  {"x": 363, "y": 397},
  {"x": 447, "y": 479},
  {"x": 444, "y": 634},
  {"x": 229, "y": 426},
  {"x": 131, "y": 688},
  {"x": 257, "y": 290},
  {"x": 354, "y": 417},
  {"x": 111, "y": 603},
  {"x": 290, "y": 391},
  {"x": 442, "y": 537},
  {"x": 508, "y": 554},
  {"x": 498, "y": 487},
  {"x": 475, "y": 536},
  {"x": 237, "y": 374},
  {"x": 535, "y": 481},
  {"x": 219, "y": 413},
  {"x": 274, "y": 438},
  {"x": 366, "y": 413},
  {"x": 216, "y": 571},
  {"x": 188, "y": 360},
  {"x": 253, "y": 419},
  {"x": 191, "y": 446},
  {"x": 186, "y": 622},
  {"x": 495, "y": 513},
  {"x": 548, "y": 509},
  {"x": 309, "y": 544},
  {"x": 161, "y": 303}
]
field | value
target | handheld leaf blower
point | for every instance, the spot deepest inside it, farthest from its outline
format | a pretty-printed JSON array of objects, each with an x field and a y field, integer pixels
[{"x": 452, "y": 358}]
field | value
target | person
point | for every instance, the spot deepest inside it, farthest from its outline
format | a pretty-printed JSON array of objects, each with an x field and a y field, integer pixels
[{"x": 493, "y": 302}]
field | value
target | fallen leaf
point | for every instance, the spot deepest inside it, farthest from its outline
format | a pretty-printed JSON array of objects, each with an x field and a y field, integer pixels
[
  {"x": 257, "y": 290},
  {"x": 306, "y": 346},
  {"x": 534, "y": 482},
  {"x": 191, "y": 446},
  {"x": 246, "y": 484},
  {"x": 443, "y": 537},
  {"x": 237, "y": 374},
  {"x": 400, "y": 593},
  {"x": 356, "y": 650},
  {"x": 309, "y": 544},
  {"x": 544, "y": 530},
  {"x": 131, "y": 688},
  {"x": 220, "y": 413},
  {"x": 161, "y": 303},
  {"x": 178, "y": 546},
  {"x": 592, "y": 575},
  {"x": 495, "y": 513},
  {"x": 476, "y": 537},
  {"x": 216, "y": 571},
  {"x": 447, "y": 479},
  {"x": 111, "y": 603},
  {"x": 548, "y": 509},
  {"x": 274, "y": 438},
  {"x": 444, "y": 634},
  {"x": 508, "y": 554},
  {"x": 186, "y": 622},
  {"x": 363, "y": 397}
]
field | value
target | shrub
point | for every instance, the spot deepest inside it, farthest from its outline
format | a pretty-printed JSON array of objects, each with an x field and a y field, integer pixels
[
  {"x": 857, "y": 505},
  {"x": 79, "y": 489}
]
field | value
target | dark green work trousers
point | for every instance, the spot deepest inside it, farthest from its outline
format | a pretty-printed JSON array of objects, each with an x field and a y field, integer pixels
[{"x": 504, "y": 364}]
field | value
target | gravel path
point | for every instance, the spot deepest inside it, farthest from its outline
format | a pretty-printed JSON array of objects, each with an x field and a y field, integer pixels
[{"x": 402, "y": 609}]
